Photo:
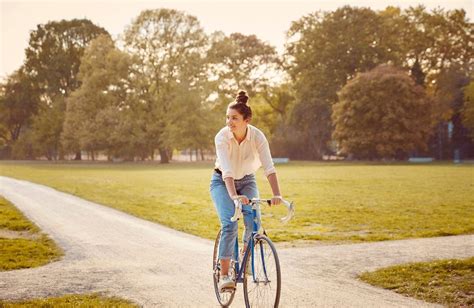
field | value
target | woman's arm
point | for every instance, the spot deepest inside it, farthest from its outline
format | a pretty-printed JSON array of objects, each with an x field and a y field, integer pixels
[
  {"x": 230, "y": 185},
  {"x": 273, "y": 180},
  {"x": 266, "y": 159}
]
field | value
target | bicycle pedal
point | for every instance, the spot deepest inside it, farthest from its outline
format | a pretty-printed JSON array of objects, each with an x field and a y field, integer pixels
[{"x": 228, "y": 290}]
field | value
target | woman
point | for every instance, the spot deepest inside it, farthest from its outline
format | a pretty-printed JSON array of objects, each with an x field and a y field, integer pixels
[{"x": 241, "y": 149}]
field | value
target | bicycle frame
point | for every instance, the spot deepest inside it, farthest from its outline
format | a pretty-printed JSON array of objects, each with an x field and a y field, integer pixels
[{"x": 250, "y": 246}]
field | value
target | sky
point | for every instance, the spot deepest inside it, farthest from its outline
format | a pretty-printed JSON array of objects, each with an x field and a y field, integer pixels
[{"x": 268, "y": 19}]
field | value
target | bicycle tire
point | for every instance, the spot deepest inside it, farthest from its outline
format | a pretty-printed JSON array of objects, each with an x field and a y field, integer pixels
[
  {"x": 260, "y": 289},
  {"x": 224, "y": 298}
]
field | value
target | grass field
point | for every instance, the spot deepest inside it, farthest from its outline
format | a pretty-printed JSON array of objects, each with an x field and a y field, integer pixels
[
  {"x": 334, "y": 201},
  {"x": 83, "y": 301},
  {"x": 21, "y": 243},
  {"x": 447, "y": 282}
]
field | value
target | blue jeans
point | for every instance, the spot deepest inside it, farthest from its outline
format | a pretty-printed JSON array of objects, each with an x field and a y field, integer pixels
[{"x": 225, "y": 210}]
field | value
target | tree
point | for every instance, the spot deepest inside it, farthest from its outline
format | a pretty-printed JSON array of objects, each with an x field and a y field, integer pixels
[
  {"x": 437, "y": 44},
  {"x": 194, "y": 123},
  {"x": 272, "y": 110},
  {"x": 240, "y": 61},
  {"x": 436, "y": 40},
  {"x": 280, "y": 99},
  {"x": 325, "y": 50},
  {"x": 54, "y": 53},
  {"x": 382, "y": 114},
  {"x": 170, "y": 46},
  {"x": 95, "y": 109},
  {"x": 46, "y": 129},
  {"x": 448, "y": 101},
  {"x": 52, "y": 61},
  {"x": 19, "y": 101}
]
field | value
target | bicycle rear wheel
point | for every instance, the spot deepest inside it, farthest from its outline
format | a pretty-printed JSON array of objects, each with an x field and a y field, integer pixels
[
  {"x": 224, "y": 298},
  {"x": 262, "y": 288}
]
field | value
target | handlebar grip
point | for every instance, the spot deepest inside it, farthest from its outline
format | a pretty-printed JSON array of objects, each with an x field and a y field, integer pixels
[{"x": 238, "y": 211}]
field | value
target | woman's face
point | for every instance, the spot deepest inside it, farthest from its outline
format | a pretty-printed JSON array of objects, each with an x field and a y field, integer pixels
[{"x": 235, "y": 121}]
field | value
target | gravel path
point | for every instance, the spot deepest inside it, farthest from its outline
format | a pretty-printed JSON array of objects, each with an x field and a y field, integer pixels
[{"x": 118, "y": 254}]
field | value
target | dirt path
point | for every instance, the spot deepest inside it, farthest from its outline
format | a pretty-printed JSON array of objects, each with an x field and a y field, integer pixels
[{"x": 112, "y": 252}]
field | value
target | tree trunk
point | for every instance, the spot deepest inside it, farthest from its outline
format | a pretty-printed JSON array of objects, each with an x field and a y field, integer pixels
[
  {"x": 61, "y": 154},
  {"x": 16, "y": 132},
  {"x": 78, "y": 156},
  {"x": 164, "y": 156},
  {"x": 49, "y": 155}
]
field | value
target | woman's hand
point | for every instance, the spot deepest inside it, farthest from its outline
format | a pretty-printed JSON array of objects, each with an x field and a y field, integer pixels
[
  {"x": 276, "y": 200},
  {"x": 243, "y": 199}
]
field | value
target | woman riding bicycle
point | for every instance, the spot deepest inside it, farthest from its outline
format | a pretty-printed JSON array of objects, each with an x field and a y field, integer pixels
[{"x": 241, "y": 149}]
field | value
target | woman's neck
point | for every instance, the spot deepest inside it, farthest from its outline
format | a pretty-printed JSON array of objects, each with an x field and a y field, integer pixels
[{"x": 240, "y": 136}]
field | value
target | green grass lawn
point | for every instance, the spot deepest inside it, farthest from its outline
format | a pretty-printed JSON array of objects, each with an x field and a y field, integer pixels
[
  {"x": 93, "y": 300},
  {"x": 447, "y": 282},
  {"x": 30, "y": 249},
  {"x": 334, "y": 201}
]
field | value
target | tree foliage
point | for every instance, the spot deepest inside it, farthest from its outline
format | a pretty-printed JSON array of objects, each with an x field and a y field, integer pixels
[
  {"x": 19, "y": 101},
  {"x": 95, "y": 109},
  {"x": 382, "y": 114},
  {"x": 53, "y": 57},
  {"x": 167, "y": 86},
  {"x": 54, "y": 53},
  {"x": 437, "y": 39},
  {"x": 326, "y": 50},
  {"x": 169, "y": 46},
  {"x": 241, "y": 61}
]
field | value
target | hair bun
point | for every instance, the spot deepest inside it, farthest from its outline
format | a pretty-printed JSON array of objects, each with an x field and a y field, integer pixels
[{"x": 242, "y": 97}]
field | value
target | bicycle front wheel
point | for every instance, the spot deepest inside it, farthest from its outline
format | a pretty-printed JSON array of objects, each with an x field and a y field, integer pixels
[{"x": 262, "y": 287}]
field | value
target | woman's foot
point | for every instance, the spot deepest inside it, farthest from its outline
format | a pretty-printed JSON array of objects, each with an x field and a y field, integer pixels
[{"x": 226, "y": 282}]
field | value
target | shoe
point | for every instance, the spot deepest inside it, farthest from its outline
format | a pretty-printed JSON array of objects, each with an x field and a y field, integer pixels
[{"x": 226, "y": 283}]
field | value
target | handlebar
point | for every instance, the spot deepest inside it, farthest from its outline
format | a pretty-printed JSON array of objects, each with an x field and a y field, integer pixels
[{"x": 238, "y": 208}]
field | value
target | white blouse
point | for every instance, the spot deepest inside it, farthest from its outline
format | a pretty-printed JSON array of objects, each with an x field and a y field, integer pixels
[{"x": 238, "y": 160}]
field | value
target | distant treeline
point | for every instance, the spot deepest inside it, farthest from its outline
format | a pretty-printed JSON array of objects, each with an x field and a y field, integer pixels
[{"x": 353, "y": 82}]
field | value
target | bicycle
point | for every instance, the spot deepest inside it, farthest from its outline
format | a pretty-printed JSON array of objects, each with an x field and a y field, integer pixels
[{"x": 262, "y": 286}]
